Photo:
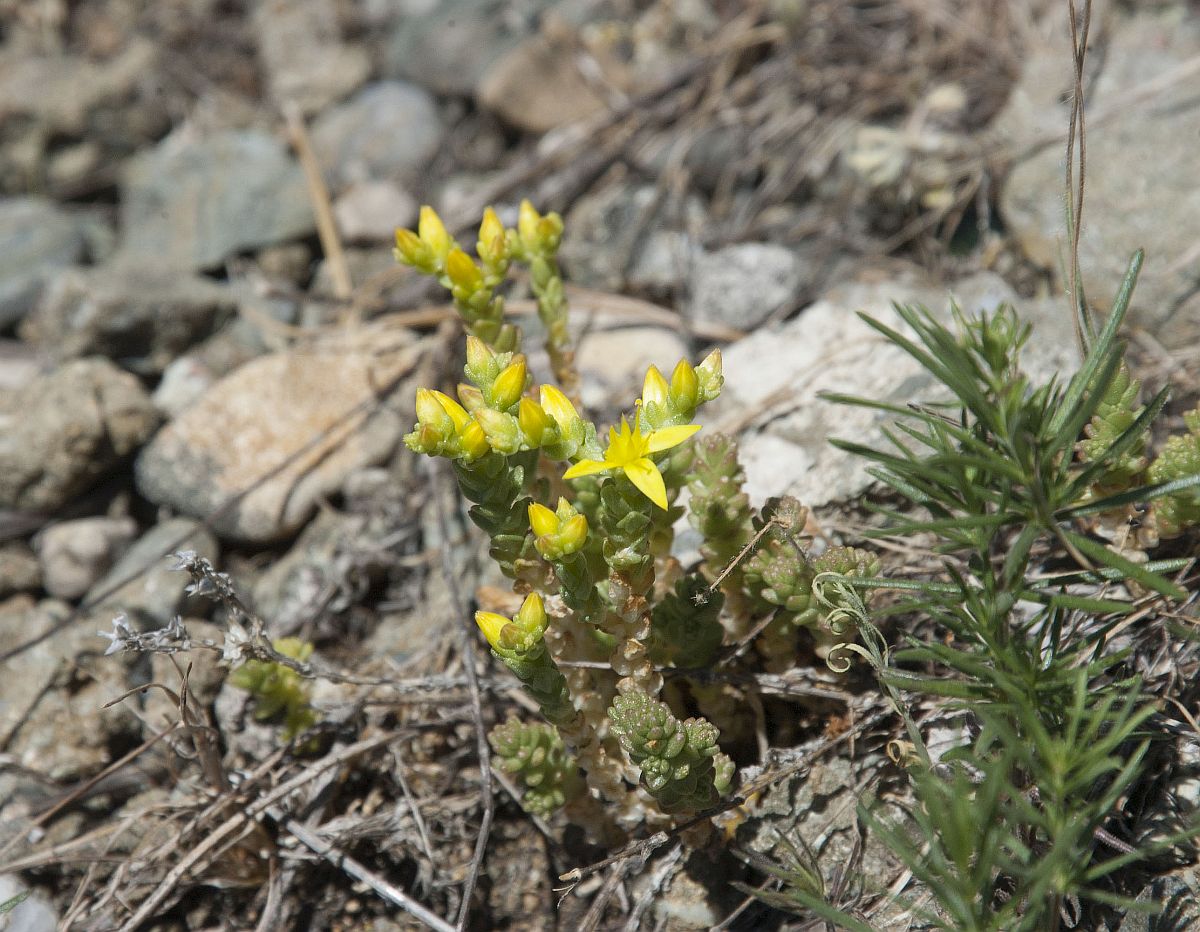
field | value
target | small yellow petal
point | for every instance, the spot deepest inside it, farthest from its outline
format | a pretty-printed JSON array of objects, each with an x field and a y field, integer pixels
[
  {"x": 559, "y": 407},
  {"x": 433, "y": 232},
  {"x": 685, "y": 387},
  {"x": 509, "y": 384},
  {"x": 462, "y": 271},
  {"x": 527, "y": 222},
  {"x": 669, "y": 437},
  {"x": 534, "y": 421},
  {"x": 458, "y": 414},
  {"x": 645, "y": 475},
  {"x": 573, "y": 534},
  {"x": 532, "y": 616},
  {"x": 543, "y": 521},
  {"x": 587, "y": 468},
  {"x": 409, "y": 247},
  {"x": 473, "y": 441},
  {"x": 491, "y": 625},
  {"x": 491, "y": 236},
  {"x": 470, "y": 397},
  {"x": 655, "y": 387},
  {"x": 479, "y": 354},
  {"x": 429, "y": 411}
]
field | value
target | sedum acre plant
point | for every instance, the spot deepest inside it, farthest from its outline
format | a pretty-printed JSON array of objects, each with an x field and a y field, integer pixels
[{"x": 584, "y": 530}]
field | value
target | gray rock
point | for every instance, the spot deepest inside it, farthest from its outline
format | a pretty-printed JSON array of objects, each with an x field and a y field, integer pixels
[
  {"x": 64, "y": 730},
  {"x": 183, "y": 381},
  {"x": 33, "y": 914},
  {"x": 61, "y": 91},
  {"x": 306, "y": 61},
  {"x": 664, "y": 262},
  {"x": 742, "y": 285},
  {"x": 537, "y": 86},
  {"x": 613, "y": 363},
  {"x": 66, "y": 429},
  {"x": 287, "y": 262},
  {"x": 141, "y": 316},
  {"x": 26, "y": 678},
  {"x": 74, "y": 554},
  {"x": 449, "y": 48},
  {"x": 280, "y": 432},
  {"x": 1141, "y": 178},
  {"x": 370, "y": 211},
  {"x": 621, "y": 237},
  {"x": 19, "y": 364},
  {"x": 295, "y": 590},
  {"x": 143, "y": 584},
  {"x": 36, "y": 237},
  {"x": 190, "y": 203},
  {"x": 387, "y": 130},
  {"x": 19, "y": 570},
  {"x": 778, "y": 372}
]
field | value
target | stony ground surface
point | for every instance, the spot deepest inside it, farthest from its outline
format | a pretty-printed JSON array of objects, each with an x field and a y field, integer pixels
[{"x": 186, "y": 365}]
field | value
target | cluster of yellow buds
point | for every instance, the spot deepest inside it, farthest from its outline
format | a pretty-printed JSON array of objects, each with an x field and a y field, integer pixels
[
  {"x": 427, "y": 249},
  {"x": 518, "y": 634},
  {"x": 444, "y": 428},
  {"x": 520, "y": 643},
  {"x": 433, "y": 251},
  {"x": 557, "y": 533},
  {"x": 493, "y": 413},
  {"x": 537, "y": 235},
  {"x": 668, "y": 403}
]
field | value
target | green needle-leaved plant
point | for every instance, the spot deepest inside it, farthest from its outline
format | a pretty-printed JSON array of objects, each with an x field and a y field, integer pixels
[{"x": 1007, "y": 822}]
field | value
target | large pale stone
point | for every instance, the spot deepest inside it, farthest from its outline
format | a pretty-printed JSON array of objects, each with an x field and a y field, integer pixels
[
  {"x": 280, "y": 432},
  {"x": 1141, "y": 165},
  {"x": 773, "y": 379}
]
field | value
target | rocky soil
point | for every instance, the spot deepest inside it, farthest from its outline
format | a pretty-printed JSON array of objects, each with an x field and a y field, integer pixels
[{"x": 187, "y": 364}]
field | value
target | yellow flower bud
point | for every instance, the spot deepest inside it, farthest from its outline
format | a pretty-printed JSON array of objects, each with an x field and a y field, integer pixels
[
  {"x": 502, "y": 430},
  {"x": 492, "y": 625},
  {"x": 430, "y": 413},
  {"x": 410, "y": 249},
  {"x": 685, "y": 387},
  {"x": 463, "y": 272},
  {"x": 559, "y": 407},
  {"x": 527, "y": 224},
  {"x": 654, "y": 388},
  {"x": 492, "y": 245},
  {"x": 542, "y": 520},
  {"x": 712, "y": 363},
  {"x": 532, "y": 617},
  {"x": 457, "y": 413},
  {"x": 572, "y": 534},
  {"x": 470, "y": 396},
  {"x": 549, "y": 232},
  {"x": 534, "y": 421},
  {"x": 479, "y": 354},
  {"x": 433, "y": 233},
  {"x": 509, "y": 384},
  {"x": 473, "y": 441}
]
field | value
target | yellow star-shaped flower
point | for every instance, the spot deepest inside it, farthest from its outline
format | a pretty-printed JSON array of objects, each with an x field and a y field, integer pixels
[{"x": 629, "y": 449}]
